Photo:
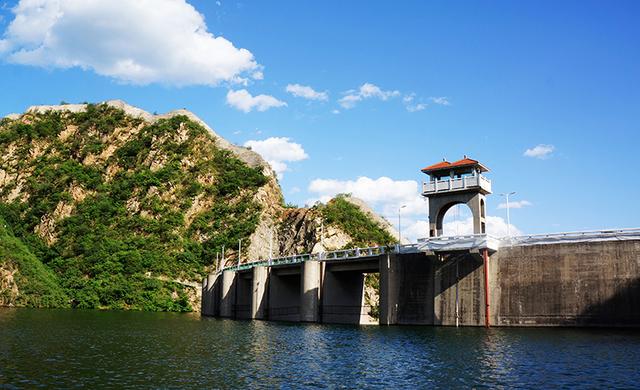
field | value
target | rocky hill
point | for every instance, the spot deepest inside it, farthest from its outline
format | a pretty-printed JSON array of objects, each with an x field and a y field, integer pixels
[{"x": 108, "y": 206}]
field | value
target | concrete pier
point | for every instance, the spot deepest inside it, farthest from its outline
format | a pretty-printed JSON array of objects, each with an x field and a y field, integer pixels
[
  {"x": 211, "y": 295},
  {"x": 259, "y": 293},
  {"x": 310, "y": 293},
  {"x": 205, "y": 301},
  {"x": 228, "y": 294}
]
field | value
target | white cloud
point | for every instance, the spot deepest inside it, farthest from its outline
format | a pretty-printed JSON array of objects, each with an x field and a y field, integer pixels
[
  {"x": 442, "y": 100},
  {"x": 540, "y": 151},
  {"x": 379, "y": 191},
  {"x": 413, "y": 229},
  {"x": 386, "y": 195},
  {"x": 515, "y": 205},
  {"x": 496, "y": 226},
  {"x": 408, "y": 101},
  {"x": 366, "y": 91},
  {"x": 335, "y": 112},
  {"x": 416, "y": 107},
  {"x": 306, "y": 92},
  {"x": 278, "y": 151},
  {"x": 349, "y": 101},
  {"x": 139, "y": 42},
  {"x": 243, "y": 101}
]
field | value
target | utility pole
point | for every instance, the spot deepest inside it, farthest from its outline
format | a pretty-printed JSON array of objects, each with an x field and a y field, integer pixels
[
  {"x": 239, "y": 251},
  {"x": 271, "y": 247},
  {"x": 506, "y": 195},
  {"x": 400, "y": 225}
]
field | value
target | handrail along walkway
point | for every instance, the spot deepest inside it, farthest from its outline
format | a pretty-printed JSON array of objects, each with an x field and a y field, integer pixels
[{"x": 530, "y": 239}]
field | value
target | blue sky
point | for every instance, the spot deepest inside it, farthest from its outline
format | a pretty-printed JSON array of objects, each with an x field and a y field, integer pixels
[{"x": 427, "y": 80}]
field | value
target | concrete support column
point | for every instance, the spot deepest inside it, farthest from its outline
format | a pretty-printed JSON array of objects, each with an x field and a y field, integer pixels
[
  {"x": 228, "y": 294},
  {"x": 476, "y": 205},
  {"x": 437, "y": 294},
  {"x": 389, "y": 288},
  {"x": 212, "y": 293},
  {"x": 310, "y": 291},
  {"x": 204, "y": 298},
  {"x": 259, "y": 293}
]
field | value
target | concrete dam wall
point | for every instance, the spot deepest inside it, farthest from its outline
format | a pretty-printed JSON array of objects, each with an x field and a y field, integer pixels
[
  {"x": 560, "y": 284},
  {"x": 596, "y": 283}
]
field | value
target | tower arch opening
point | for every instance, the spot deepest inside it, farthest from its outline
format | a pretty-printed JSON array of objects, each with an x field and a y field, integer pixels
[{"x": 456, "y": 220}]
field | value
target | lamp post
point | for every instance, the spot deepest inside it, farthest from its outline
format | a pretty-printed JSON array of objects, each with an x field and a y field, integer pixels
[
  {"x": 506, "y": 195},
  {"x": 399, "y": 224}
]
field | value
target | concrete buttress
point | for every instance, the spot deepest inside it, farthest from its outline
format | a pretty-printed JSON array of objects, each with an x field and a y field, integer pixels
[
  {"x": 228, "y": 294},
  {"x": 310, "y": 291},
  {"x": 259, "y": 293}
]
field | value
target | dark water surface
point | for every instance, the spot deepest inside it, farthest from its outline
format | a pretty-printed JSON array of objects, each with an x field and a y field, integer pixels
[{"x": 64, "y": 348}]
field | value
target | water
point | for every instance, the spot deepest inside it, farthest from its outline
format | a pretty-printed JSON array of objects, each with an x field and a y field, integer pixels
[{"x": 64, "y": 348}]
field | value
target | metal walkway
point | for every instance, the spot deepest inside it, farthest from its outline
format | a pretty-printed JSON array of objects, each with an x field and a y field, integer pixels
[{"x": 450, "y": 244}]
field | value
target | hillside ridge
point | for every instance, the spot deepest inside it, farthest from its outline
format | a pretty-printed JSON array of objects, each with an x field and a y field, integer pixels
[{"x": 120, "y": 204}]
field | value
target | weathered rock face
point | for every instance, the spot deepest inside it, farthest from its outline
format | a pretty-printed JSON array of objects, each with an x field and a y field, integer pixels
[
  {"x": 304, "y": 231},
  {"x": 112, "y": 198},
  {"x": 8, "y": 287}
]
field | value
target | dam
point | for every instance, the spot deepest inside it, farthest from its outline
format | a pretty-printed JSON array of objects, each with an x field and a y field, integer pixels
[
  {"x": 563, "y": 279},
  {"x": 578, "y": 279}
]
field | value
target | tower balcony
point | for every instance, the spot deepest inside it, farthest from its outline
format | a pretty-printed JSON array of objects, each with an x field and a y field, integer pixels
[{"x": 477, "y": 182}]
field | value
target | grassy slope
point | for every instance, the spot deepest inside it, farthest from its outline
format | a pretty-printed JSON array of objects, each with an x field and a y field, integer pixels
[
  {"x": 363, "y": 230},
  {"x": 37, "y": 285}
]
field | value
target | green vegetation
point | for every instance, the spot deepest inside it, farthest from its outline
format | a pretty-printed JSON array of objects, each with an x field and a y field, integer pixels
[
  {"x": 363, "y": 230},
  {"x": 25, "y": 280},
  {"x": 161, "y": 203}
]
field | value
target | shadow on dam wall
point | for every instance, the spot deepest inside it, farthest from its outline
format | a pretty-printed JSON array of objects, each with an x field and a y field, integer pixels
[
  {"x": 622, "y": 309},
  {"x": 455, "y": 268}
]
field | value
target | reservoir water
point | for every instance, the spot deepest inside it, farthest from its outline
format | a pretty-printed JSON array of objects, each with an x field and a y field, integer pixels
[{"x": 95, "y": 349}]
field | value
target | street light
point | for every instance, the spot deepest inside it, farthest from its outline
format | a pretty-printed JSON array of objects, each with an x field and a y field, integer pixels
[
  {"x": 399, "y": 225},
  {"x": 506, "y": 195}
]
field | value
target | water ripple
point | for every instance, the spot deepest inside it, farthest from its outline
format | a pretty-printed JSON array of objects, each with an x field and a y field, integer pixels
[{"x": 64, "y": 349}]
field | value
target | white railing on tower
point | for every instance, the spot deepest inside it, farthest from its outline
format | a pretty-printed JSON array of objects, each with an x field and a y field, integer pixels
[{"x": 457, "y": 184}]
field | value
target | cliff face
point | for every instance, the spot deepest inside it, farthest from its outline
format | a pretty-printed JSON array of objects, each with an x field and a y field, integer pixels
[{"x": 128, "y": 209}]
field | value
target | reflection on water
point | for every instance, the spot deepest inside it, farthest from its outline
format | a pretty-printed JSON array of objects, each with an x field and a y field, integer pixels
[{"x": 64, "y": 348}]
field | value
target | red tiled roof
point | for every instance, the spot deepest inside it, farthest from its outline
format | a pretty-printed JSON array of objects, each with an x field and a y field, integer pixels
[
  {"x": 443, "y": 165},
  {"x": 438, "y": 166},
  {"x": 464, "y": 162}
]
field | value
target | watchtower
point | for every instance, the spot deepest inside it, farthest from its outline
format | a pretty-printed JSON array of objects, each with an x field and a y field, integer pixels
[{"x": 454, "y": 183}]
